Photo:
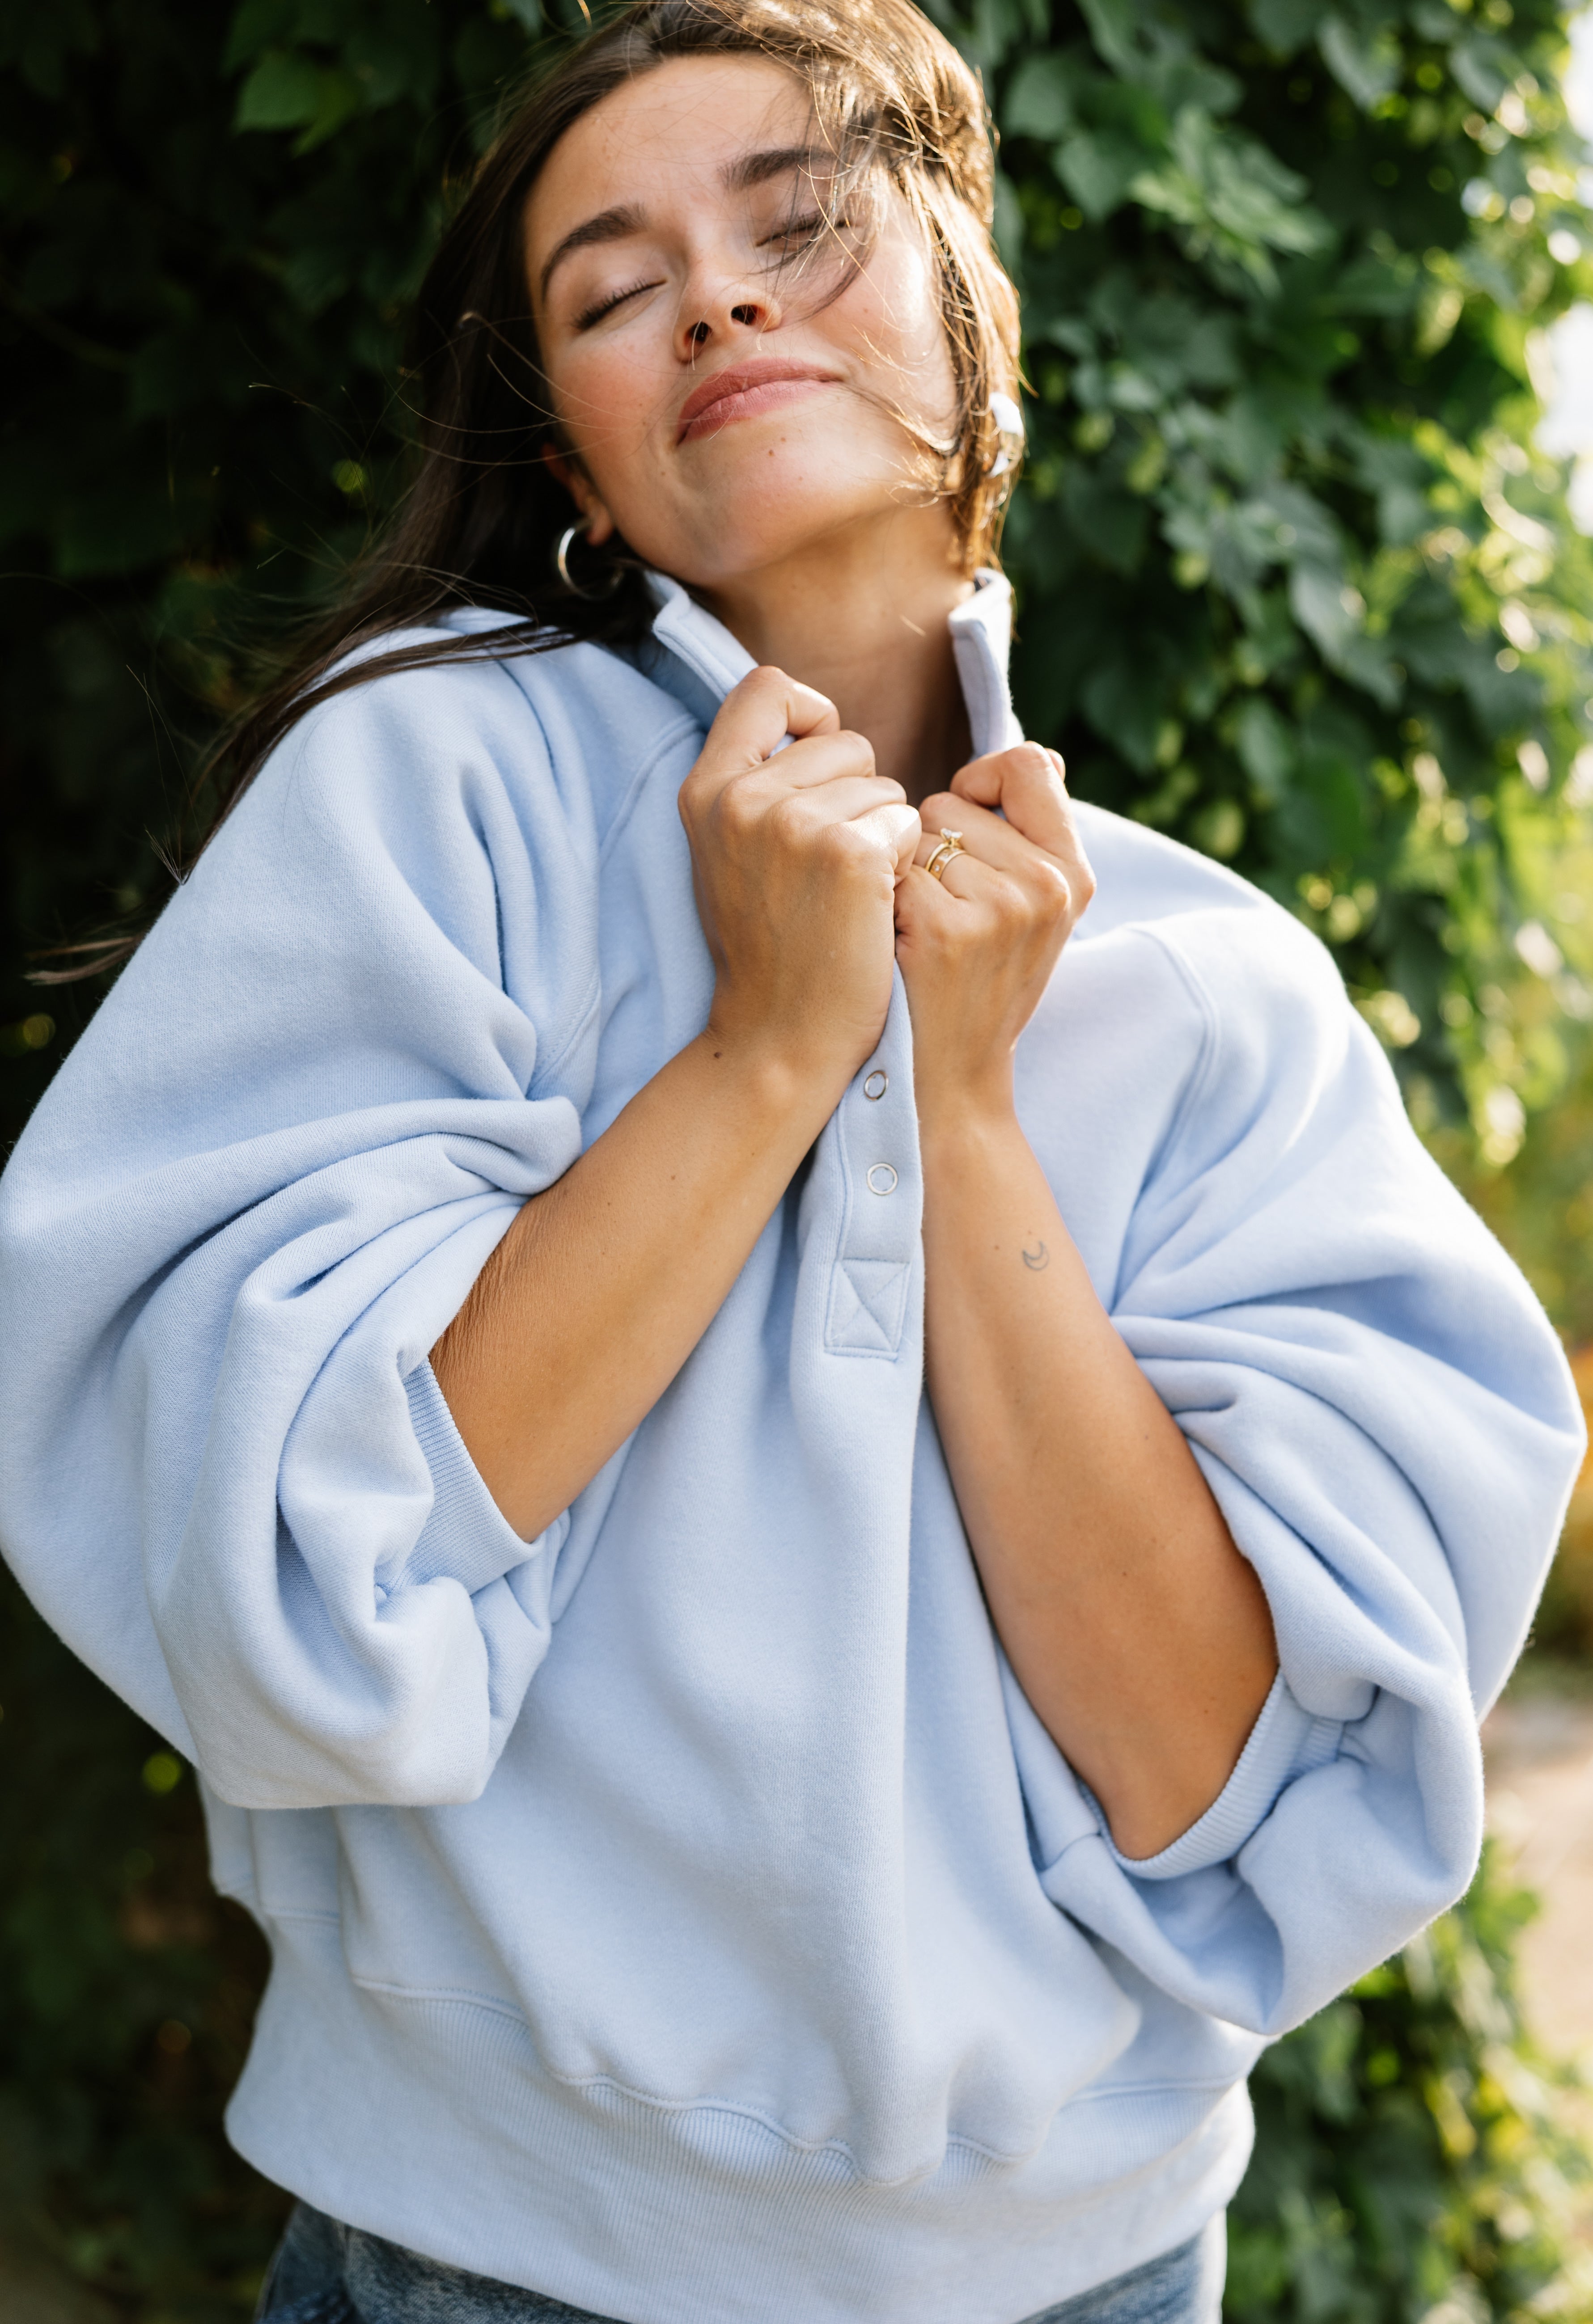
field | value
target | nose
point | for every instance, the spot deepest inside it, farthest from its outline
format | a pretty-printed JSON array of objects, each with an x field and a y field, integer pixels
[{"x": 722, "y": 313}]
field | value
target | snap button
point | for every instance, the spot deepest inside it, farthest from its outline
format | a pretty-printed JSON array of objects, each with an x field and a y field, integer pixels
[
  {"x": 882, "y": 1179},
  {"x": 877, "y": 1084}
]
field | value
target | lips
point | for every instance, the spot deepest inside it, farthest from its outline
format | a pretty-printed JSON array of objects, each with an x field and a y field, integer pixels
[{"x": 743, "y": 390}]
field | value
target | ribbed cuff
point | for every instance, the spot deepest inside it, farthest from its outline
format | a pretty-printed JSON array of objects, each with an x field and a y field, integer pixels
[
  {"x": 1286, "y": 1741},
  {"x": 467, "y": 1536}
]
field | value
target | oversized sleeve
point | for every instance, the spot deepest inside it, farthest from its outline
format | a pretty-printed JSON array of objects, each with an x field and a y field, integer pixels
[
  {"x": 259, "y": 1189},
  {"x": 1389, "y": 1427}
]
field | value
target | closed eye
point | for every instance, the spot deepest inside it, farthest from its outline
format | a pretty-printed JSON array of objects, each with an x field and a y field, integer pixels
[
  {"x": 800, "y": 229},
  {"x": 601, "y": 307}
]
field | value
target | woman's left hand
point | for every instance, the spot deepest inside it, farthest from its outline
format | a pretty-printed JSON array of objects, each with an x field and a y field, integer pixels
[
  {"x": 1140, "y": 1634},
  {"x": 976, "y": 946}
]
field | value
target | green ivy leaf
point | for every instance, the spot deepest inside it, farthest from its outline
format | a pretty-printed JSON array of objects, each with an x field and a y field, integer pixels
[
  {"x": 1484, "y": 68},
  {"x": 1285, "y": 25},
  {"x": 1098, "y": 168},
  {"x": 1366, "y": 62},
  {"x": 1039, "y": 100},
  {"x": 1265, "y": 748},
  {"x": 285, "y": 91},
  {"x": 1233, "y": 195}
]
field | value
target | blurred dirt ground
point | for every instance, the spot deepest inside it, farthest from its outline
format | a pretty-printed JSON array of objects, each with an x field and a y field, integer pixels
[{"x": 1539, "y": 1746}]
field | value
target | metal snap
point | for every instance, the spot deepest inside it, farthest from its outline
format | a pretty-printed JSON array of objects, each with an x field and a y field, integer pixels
[
  {"x": 877, "y": 1084},
  {"x": 882, "y": 1179}
]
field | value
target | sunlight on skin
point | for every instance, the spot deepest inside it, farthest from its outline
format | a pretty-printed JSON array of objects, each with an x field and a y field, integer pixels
[{"x": 807, "y": 497}]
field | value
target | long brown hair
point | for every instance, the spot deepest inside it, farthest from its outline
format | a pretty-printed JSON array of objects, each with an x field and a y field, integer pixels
[{"x": 481, "y": 520}]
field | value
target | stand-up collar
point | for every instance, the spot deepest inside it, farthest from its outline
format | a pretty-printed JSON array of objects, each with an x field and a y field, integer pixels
[{"x": 981, "y": 639}]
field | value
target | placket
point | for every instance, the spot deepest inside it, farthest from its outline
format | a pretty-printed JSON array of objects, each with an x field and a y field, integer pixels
[
  {"x": 866, "y": 1171},
  {"x": 866, "y": 1176}
]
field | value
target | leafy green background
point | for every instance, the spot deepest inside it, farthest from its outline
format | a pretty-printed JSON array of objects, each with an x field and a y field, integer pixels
[{"x": 1295, "y": 585}]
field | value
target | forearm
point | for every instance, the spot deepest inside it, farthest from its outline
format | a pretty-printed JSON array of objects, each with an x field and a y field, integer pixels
[
  {"x": 604, "y": 1285},
  {"x": 1137, "y": 1631}
]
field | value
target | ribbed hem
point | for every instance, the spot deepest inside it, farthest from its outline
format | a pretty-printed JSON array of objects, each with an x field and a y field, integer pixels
[{"x": 426, "y": 2119}]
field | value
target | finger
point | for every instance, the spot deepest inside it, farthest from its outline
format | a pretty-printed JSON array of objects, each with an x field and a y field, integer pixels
[
  {"x": 984, "y": 835},
  {"x": 757, "y": 717},
  {"x": 1026, "y": 784},
  {"x": 1034, "y": 802},
  {"x": 844, "y": 798},
  {"x": 963, "y": 877},
  {"x": 897, "y": 830},
  {"x": 824, "y": 758},
  {"x": 809, "y": 766},
  {"x": 894, "y": 831},
  {"x": 1002, "y": 841}
]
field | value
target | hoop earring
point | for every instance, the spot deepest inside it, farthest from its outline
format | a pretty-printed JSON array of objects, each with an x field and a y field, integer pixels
[
  {"x": 1008, "y": 419},
  {"x": 561, "y": 562}
]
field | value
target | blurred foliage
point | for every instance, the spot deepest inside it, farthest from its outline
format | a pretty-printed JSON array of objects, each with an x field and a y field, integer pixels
[
  {"x": 1541, "y": 1209},
  {"x": 1412, "y": 2158},
  {"x": 130, "y": 1989},
  {"x": 1295, "y": 585},
  {"x": 212, "y": 219}
]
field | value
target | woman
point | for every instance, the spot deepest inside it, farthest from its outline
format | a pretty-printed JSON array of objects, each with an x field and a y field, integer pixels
[{"x": 824, "y": 1532}]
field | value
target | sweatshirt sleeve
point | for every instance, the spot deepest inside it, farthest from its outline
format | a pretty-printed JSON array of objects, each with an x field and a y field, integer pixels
[
  {"x": 1389, "y": 1427},
  {"x": 257, "y": 1192}
]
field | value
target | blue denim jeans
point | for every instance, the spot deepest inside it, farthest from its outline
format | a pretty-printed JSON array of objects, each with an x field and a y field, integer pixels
[{"x": 325, "y": 2274}]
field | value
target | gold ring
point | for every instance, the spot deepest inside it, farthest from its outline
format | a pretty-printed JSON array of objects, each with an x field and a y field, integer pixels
[{"x": 950, "y": 845}]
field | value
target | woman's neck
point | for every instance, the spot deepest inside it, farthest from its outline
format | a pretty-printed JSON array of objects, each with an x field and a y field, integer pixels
[{"x": 863, "y": 619}]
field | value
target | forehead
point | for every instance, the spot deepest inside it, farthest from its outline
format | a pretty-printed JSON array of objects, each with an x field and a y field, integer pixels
[{"x": 673, "y": 132}]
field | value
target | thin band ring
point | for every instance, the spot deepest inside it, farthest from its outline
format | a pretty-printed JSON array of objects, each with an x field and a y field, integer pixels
[{"x": 950, "y": 845}]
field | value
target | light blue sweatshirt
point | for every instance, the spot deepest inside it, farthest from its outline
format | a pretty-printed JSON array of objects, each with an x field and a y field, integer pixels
[{"x": 684, "y": 1913}]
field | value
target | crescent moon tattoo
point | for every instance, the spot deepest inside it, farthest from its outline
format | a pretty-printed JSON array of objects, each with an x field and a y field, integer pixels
[{"x": 1035, "y": 1259}]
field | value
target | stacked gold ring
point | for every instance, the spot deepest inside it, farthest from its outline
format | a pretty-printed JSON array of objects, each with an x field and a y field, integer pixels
[{"x": 950, "y": 845}]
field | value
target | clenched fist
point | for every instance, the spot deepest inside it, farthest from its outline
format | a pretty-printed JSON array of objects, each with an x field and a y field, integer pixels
[
  {"x": 796, "y": 854},
  {"x": 978, "y": 944}
]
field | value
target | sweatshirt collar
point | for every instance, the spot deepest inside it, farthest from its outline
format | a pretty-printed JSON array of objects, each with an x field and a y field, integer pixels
[{"x": 981, "y": 639}]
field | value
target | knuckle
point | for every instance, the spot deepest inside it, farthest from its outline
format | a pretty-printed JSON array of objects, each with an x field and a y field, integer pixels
[
  {"x": 840, "y": 843},
  {"x": 790, "y": 818},
  {"x": 1053, "y": 890},
  {"x": 739, "y": 806}
]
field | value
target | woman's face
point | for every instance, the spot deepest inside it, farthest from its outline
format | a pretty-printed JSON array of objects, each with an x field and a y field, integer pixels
[{"x": 727, "y": 410}]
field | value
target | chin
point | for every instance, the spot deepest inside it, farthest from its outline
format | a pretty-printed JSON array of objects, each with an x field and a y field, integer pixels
[{"x": 767, "y": 509}]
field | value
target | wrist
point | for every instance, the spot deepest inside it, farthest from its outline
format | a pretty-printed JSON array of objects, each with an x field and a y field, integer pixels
[
  {"x": 783, "y": 1081},
  {"x": 964, "y": 1123}
]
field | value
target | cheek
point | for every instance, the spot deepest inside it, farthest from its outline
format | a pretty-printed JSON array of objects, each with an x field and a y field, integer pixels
[
  {"x": 605, "y": 397},
  {"x": 892, "y": 314}
]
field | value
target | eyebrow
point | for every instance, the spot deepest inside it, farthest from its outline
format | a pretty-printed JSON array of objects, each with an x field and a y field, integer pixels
[
  {"x": 739, "y": 176},
  {"x": 773, "y": 162},
  {"x": 608, "y": 225}
]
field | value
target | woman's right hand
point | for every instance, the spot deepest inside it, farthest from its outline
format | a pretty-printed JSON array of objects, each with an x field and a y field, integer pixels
[
  {"x": 795, "y": 855},
  {"x": 604, "y": 1285}
]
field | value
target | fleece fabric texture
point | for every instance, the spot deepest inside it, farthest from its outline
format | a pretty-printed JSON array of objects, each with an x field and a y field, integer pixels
[{"x": 684, "y": 1913}]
